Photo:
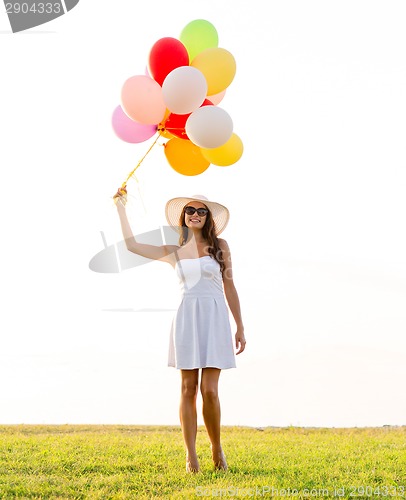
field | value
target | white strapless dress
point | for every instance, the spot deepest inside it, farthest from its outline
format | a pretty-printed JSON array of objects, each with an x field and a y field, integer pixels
[{"x": 201, "y": 333}]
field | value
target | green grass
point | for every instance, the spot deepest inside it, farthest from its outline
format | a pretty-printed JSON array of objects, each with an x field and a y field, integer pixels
[{"x": 143, "y": 462}]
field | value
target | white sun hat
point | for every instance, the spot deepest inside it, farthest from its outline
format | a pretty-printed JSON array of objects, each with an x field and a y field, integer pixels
[{"x": 220, "y": 213}]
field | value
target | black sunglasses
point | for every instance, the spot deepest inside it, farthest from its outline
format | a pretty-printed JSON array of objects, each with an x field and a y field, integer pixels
[{"x": 200, "y": 211}]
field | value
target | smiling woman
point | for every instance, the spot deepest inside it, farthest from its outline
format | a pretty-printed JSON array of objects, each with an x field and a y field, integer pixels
[{"x": 200, "y": 337}]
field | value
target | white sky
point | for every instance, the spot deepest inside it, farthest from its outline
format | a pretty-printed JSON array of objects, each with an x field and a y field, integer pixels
[{"x": 317, "y": 227}]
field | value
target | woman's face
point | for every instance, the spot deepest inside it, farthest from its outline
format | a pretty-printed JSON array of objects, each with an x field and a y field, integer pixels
[{"x": 195, "y": 221}]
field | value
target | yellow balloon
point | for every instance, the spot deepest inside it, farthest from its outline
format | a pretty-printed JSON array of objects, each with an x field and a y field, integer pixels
[
  {"x": 218, "y": 66},
  {"x": 227, "y": 154},
  {"x": 185, "y": 157}
]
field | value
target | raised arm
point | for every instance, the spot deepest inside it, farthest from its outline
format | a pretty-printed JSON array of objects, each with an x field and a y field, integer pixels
[
  {"x": 149, "y": 251},
  {"x": 232, "y": 296}
]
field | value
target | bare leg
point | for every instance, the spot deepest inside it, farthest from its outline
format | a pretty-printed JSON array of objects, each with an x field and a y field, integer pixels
[
  {"x": 188, "y": 416},
  {"x": 211, "y": 414}
]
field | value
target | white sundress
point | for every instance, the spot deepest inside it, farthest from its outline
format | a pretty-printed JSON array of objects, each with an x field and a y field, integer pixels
[{"x": 200, "y": 336}]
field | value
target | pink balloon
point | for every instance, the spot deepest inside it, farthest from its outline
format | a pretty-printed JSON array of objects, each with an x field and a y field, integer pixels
[
  {"x": 216, "y": 98},
  {"x": 128, "y": 130},
  {"x": 142, "y": 100}
]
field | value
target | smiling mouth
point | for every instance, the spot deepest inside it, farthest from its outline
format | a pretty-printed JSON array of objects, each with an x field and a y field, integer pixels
[{"x": 194, "y": 220}]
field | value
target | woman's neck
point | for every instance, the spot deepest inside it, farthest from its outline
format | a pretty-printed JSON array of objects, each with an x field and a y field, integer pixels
[{"x": 195, "y": 235}]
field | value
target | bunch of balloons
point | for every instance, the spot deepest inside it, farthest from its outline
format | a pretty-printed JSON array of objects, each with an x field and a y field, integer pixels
[{"x": 177, "y": 98}]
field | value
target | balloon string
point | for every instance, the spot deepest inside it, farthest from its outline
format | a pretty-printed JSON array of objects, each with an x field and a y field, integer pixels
[{"x": 123, "y": 185}]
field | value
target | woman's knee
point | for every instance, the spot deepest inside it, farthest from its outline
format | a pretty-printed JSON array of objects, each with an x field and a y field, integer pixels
[
  {"x": 209, "y": 392},
  {"x": 189, "y": 387}
]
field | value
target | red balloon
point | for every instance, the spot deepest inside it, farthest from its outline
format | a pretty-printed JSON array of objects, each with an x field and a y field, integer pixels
[
  {"x": 165, "y": 55},
  {"x": 175, "y": 124}
]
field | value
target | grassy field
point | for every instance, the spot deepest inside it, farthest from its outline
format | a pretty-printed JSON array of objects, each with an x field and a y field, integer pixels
[{"x": 142, "y": 462}]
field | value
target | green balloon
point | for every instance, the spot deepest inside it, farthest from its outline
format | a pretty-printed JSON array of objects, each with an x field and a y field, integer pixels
[{"x": 197, "y": 36}]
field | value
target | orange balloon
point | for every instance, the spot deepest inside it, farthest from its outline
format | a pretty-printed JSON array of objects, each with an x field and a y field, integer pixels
[
  {"x": 162, "y": 126},
  {"x": 165, "y": 133},
  {"x": 185, "y": 157}
]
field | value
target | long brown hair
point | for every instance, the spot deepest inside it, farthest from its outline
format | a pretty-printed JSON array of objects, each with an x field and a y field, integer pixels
[{"x": 208, "y": 233}]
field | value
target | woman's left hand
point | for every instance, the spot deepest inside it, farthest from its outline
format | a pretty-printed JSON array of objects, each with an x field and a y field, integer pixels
[{"x": 240, "y": 341}]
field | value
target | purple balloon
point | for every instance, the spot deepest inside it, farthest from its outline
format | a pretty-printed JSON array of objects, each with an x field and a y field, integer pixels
[{"x": 128, "y": 130}]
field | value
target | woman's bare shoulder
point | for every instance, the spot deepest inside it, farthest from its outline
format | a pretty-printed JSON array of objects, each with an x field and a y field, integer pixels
[
  {"x": 170, "y": 254},
  {"x": 223, "y": 244}
]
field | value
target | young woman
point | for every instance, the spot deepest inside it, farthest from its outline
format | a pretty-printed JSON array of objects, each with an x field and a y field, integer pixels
[{"x": 200, "y": 337}]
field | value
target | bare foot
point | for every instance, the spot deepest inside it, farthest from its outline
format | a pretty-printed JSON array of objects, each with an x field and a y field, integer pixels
[
  {"x": 219, "y": 459},
  {"x": 192, "y": 464}
]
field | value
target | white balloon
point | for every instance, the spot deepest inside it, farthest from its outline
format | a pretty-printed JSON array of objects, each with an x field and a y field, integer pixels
[
  {"x": 184, "y": 90},
  {"x": 209, "y": 127}
]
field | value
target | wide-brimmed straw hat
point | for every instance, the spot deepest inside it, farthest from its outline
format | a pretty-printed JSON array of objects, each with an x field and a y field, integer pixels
[{"x": 220, "y": 213}]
